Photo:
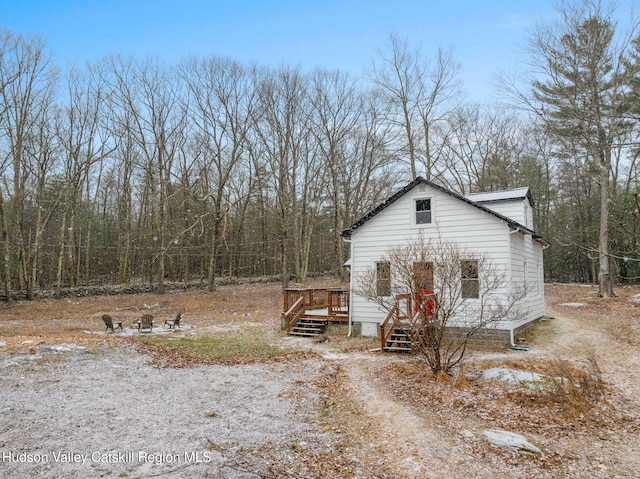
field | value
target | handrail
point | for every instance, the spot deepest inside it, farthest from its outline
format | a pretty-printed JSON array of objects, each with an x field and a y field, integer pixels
[
  {"x": 294, "y": 313},
  {"x": 396, "y": 315},
  {"x": 384, "y": 335}
]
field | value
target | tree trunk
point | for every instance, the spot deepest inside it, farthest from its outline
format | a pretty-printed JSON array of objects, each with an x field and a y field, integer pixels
[
  {"x": 605, "y": 279},
  {"x": 63, "y": 227},
  {"x": 213, "y": 260},
  {"x": 6, "y": 264}
]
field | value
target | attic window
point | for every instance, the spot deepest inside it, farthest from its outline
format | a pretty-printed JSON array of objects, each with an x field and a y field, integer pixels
[{"x": 423, "y": 211}]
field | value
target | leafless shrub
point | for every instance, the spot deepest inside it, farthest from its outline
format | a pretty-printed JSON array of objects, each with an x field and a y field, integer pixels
[{"x": 577, "y": 388}]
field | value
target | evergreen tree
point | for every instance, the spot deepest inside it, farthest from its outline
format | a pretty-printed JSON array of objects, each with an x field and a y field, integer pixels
[{"x": 582, "y": 97}]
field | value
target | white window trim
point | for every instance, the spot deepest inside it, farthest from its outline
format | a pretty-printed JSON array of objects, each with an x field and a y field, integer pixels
[
  {"x": 414, "y": 223},
  {"x": 375, "y": 268},
  {"x": 478, "y": 280}
]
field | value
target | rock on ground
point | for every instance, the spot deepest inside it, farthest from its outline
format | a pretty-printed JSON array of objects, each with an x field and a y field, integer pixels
[{"x": 509, "y": 440}]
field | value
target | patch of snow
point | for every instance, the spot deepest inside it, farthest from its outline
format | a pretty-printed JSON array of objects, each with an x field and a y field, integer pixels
[
  {"x": 64, "y": 347},
  {"x": 573, "y": 305},
  {"x": 330, "y": 355},
  {"x": 514, "y": 194},
  {"x": 159, "y": 330}
]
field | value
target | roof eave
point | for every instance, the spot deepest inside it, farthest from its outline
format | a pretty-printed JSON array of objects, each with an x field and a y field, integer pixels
[{"x": 347, "y": 233}]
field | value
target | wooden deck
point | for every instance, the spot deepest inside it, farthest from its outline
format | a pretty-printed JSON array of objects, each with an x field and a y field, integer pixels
[{"x": 324, "y": 305}]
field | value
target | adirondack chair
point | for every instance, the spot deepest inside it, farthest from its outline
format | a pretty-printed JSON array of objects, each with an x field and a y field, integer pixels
[
  {"x": 145, "y": 323},
  {"x": 110, "y": 324},
  {"x": 175, "y": 322}
]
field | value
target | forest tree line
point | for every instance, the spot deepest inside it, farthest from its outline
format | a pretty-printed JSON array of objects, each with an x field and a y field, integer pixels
[{"x": 134, "y": 170}]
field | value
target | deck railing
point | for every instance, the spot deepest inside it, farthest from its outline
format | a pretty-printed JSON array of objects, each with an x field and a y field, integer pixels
[{"x": 334, "y": 300}]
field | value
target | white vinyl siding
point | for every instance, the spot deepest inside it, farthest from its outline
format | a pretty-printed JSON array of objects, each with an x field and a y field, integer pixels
[
  {"x": 456, "y": 221},
  {"x": 525, "y": 251},
  {"x": 517, "y": 210}
]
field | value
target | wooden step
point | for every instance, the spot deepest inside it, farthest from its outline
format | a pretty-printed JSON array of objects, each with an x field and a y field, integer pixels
[
  {"x": 307, "y": 334},
  {"x": 302, "y": 329},
  {"x": 306, "y": 322},
  {"x": 399, "y": 341},
  {"x": 308, "y": 327},
  {"x": 397, "y": 349},
  {"x": 399, "y": 336}
]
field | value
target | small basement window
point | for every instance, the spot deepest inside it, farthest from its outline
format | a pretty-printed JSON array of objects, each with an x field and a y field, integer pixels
[
  {"x": 470, "y": 279},
  {"x": 423, "y": 211}
]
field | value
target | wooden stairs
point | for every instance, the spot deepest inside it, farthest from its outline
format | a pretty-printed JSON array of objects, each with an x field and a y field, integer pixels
[
  {"x": 404, "y": 323},
  {"x": 309, "y": 327},
  {"x": 308, "y": 311},
  {"x": 398, "y": 341}
]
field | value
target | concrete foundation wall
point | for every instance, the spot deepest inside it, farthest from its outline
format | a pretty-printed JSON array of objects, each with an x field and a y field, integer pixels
[{"x": 495, "y": 336}]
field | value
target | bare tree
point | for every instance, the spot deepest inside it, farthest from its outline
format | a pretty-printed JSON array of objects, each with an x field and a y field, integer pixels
[
  {"x": 419, "y": 93},
  {"x": 222, "y": 102},
  {"x": 42, "y": 156},
  {"x": 295, "y": 172},
  {"x": 84, "y": 142},
  {"x": 336, "y": 112},
  {"x": 7, "y": 77},
  {"x": 28, "y": 81},
  {"x": 453, "y": 293},
  {"x": 148, "y": 99}
]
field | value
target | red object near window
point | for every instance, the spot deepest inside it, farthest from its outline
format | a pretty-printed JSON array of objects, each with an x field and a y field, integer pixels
[
  {"x": 423, "y": 298},
  {"x": 425, "y": 301}
]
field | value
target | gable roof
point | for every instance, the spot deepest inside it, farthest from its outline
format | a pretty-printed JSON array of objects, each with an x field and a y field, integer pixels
[
  {"x": 420, "y": 180},
  {"x": 499, "y": 196}
]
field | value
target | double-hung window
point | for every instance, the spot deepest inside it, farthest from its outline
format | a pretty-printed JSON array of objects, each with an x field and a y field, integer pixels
[
  {"x": 423, "y": 211},
  {"x": 383, "y": 278},
  {"x": 470, "y": 279}
]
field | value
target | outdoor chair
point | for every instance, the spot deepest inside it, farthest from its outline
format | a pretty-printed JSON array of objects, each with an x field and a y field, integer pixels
[
  {"x": 110, "y": 324},
  {"x": 175, "y": 322},
  {"x": 145, "y": 323}
]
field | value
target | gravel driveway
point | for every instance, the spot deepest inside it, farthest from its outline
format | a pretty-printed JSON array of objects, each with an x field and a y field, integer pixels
[{"x": 103, "y": 411}]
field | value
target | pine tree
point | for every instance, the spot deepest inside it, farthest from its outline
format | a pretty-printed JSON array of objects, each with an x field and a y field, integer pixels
[{"x": 582, "y": 93}]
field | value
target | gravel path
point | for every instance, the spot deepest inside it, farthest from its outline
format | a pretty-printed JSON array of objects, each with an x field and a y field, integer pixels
[{"x": 72, "y": 412}]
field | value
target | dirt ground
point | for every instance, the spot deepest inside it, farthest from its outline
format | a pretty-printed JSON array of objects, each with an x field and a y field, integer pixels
[{"x": 76, "y": 402}]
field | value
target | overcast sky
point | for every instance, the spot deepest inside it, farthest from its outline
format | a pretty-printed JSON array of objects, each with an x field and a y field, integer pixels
[{"x": 486, "y": 35}]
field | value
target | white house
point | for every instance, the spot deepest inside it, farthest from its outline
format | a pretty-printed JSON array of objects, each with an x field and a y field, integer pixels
[{"x": 498, "y": 225}]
